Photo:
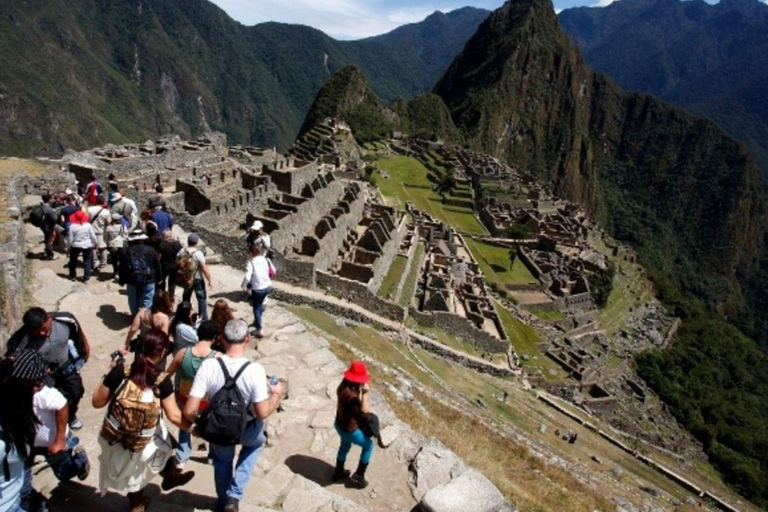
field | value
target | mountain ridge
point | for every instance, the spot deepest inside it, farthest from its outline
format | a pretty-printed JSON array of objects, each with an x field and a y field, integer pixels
[{"x": 118, "y": 71}]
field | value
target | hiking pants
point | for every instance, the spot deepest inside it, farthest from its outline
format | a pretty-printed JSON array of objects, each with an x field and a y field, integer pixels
[
  {"x": 348, "y": 439},
  {"x": 258, "y": 297},
  {"x": 47, "y": 239},
  {"x": 71, "y": 386},
  {"x": 198, "y": 286},
  {"x": 74, "y": 254},
  {"x": 231, "y": 484},
  {"x": 140, "y": 297}
]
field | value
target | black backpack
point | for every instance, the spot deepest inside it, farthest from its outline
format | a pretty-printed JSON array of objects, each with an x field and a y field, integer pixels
[
  {"x": 37, "y": 216},
  {"x": 228, "y": 412},
  {"x": 140, "y": 271}
]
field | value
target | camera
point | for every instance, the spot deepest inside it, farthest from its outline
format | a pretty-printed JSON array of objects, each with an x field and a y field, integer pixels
[{"x": 117, "y": 357}]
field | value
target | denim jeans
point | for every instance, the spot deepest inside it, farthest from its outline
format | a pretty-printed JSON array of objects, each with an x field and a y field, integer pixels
[
  {"x": 65, "y": 466},
  {"x": 258, "y": 297},
  {"x": 198, "y": 286},
  {"x": 140, "y": 297},
  {"x": 47, "y": 238},
  {"x": 184, "y": 450},
  {"x": 74, "y": 254},
  {"x": 357, "y": 437},
  {"x": 229, "y": 484}
]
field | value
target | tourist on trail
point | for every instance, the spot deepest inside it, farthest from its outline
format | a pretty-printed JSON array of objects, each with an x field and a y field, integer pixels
[
  {"x": 139, "y": 268},
  {"x": 252, "y": 400},
  {"x": 81, "y": 240},
  {"x": 93, "y": 192},
  {"x": 183, "y": 327},
  {"x": 43, "y": 216},
  {"x": 154, "y": 241},
  {"x": 135, "y": 443},
  {"x": 158, "y": 199},
  {"x": 221, "y": 315},
  {"x": 156, "y": 317},
  {"x": 192, "y": 273},
  {"x": 256, "y": 234},
  {"x": 114, "y": 238},
  {"x": 53, "y": 440},
  {"x": 146, "y": 219},
  {"x": 162, "y": 219},
  {"x": 257, "y": 281},
  {"x": 126, "y": 208},
  {"x": 61, "y": 341},
  {"x": 169, "y": 249},
  {"x": 111, "y": 187},
  {"x": 18, "y": 427},
  {"x": 185, "y": 366},
  {"x": 70, "y": 208},
  {"x": 100, "y": 217},
  {"x": 355, "y": 423}
]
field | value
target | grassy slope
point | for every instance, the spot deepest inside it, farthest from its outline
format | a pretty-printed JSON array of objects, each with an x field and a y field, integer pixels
[
  {"x": 494, "y": 262},
  {"x": 408, "y": 182}
]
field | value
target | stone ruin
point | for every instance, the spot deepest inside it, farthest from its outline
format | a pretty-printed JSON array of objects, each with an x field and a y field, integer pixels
[{"x": 329, "y": 143}]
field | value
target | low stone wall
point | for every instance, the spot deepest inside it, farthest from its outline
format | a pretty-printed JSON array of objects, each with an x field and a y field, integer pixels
[
  {"x": 12, "y": 266},
  {"x": 358, "y": 293},
  {"x": 391, "y": 249},
  {"x": 470, "y": 362},
  {"x": 462, "y": 328}
]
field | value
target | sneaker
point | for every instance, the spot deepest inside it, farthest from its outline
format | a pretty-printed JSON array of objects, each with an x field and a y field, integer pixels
[
  {"x": 232, "y": 505},
  {"x": 87, "y": 469},
  {"x": 75, "y": 424},
  {"x": 359, "y": 481}
]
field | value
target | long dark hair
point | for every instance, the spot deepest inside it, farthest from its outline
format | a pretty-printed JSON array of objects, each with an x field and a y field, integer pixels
[
  {"x": 152, "y": 344},
  {"x": 17, "y": 417},
  {"x": 183, "y": 315},
  {"x": 161, "y": 303}
]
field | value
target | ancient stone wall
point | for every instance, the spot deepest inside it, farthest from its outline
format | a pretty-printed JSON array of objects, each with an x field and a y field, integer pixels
[
  {"x": 359, "y": 294},
  {"x": 289, "y": 179},
  {"x": 12, "y": 265},
  {"x": 462, "y": 328},
  {"x": 391, "y": 249}
]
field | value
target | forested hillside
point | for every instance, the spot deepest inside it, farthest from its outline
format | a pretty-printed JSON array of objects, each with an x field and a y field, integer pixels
[{"x": 86, "y": 72}]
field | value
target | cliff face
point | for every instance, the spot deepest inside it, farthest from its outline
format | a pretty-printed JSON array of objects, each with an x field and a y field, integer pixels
[{"x": 656, "y": 175}]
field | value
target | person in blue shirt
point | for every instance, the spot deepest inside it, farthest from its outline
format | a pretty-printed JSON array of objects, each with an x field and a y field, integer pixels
[{"x": 163, "y": 219}]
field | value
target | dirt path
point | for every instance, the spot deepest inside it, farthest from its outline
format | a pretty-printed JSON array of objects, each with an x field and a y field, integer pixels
[{"x": 293, "y": 473}]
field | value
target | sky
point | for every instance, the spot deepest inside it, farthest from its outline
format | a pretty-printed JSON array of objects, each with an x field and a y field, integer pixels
[{"x": 354, "y": 19}]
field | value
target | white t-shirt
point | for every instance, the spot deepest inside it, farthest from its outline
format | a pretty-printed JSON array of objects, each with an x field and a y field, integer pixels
[
  {"x": 45, "y": 403},
  {"x": 257, "y": 274},
  {"x": 252, "y": 384}
]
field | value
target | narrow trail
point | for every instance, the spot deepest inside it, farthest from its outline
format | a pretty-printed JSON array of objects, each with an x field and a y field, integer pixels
[{"x": 294, "y": 470}]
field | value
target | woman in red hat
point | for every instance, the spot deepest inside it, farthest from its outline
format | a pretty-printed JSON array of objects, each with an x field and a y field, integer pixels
[
  {"x": 81, "y": 239},
  {"x": 355, "y": 423}
]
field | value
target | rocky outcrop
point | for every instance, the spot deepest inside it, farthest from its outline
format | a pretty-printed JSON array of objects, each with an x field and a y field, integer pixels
[{"x": 470, "y": 492}]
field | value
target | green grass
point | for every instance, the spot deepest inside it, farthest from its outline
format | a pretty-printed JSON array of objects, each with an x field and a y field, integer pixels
[
  {"x": 408, "y": 182},
  {"x": 524, "y": 338},
  {"x": 389, "y": 285},
  {"x": 494, "y": 262},
  {"x": 409, "y": 288},
  {"x": 548, "y": 314}
]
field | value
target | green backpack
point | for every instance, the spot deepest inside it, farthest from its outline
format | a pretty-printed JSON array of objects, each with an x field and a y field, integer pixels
[{"x": 186, "y": 268}]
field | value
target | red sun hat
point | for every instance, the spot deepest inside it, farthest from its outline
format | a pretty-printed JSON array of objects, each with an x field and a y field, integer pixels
[
  {"x": 79, "y": 217},
  {"x": 357, "y": 373}
]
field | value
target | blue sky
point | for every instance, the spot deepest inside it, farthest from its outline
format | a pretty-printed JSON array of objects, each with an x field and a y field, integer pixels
[{"x": 354, "y": 19}]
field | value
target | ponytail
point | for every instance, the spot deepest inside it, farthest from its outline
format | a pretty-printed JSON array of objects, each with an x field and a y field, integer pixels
[{"x": 154, "y": 343}]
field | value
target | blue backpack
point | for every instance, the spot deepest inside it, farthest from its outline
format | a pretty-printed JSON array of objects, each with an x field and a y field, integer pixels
[{"x": 140, "y": 272}]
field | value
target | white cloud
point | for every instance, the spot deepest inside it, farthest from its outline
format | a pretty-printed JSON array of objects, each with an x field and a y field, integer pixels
[
  {"x": 343, "y": 19},
  {"x": 603, "y": 3}
]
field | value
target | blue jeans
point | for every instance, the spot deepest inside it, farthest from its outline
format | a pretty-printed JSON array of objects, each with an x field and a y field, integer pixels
[
  {"x": 229, "y": 484},
  {"x": 65, "y": 466},
  {"x": 198, "y": 286},
  {"x": 357, "y": 437},
  {"x": 140, "y": 297},
  {"x": 184, "y": 450},
  {"x": 258, "y": 297},
  {"x": 74, "y": 255}
]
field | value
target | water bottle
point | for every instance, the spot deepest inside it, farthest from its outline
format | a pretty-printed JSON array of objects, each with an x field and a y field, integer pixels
[
  {"x": 73, "y": 351},
  {"x": 274, "y": 380}
]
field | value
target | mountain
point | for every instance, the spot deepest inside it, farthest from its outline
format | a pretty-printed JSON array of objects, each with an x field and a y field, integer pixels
[
  {"x": 709, "y": 59},
  {"x": 86, "y": 72},
  {"x": 687, "y": 196},
  {"x": 348, "y": 96}
]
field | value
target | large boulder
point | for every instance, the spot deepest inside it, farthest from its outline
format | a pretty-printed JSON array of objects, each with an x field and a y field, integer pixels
[
  {"x": 434, "y": 465},
  {"x": 470, "y": 492}
]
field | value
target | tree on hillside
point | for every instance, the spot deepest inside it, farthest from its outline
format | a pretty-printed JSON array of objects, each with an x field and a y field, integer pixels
[
  {"x": 445, "y": 184},
  {"x": 512, "y": 257},
  {"x": 518, "y": 231}
]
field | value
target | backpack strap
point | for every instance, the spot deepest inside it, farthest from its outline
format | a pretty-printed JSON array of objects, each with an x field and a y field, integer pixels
[{"x": 229, "y": 380}]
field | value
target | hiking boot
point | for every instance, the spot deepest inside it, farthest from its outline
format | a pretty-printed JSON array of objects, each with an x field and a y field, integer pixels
[
  {"x": 340, "y": 473},
  {"x": 75, "y": 424},
  {"x": 232, "y": 505},
  {"x": 173, "y": 476},
  {"x": 137, "y": 502},
  {"x": 87, "y": 468},
  {"x": 359, "y": 481}
]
